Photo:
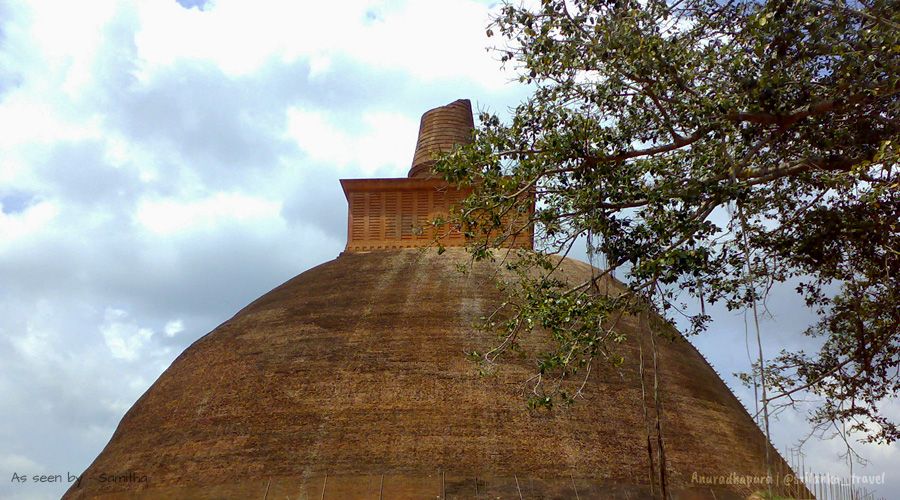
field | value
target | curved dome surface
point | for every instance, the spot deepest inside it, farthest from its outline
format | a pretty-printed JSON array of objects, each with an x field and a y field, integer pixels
[{"x": 350, "y": 381}]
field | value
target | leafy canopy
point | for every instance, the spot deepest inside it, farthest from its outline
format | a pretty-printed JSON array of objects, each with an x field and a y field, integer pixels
[{"x": 708, "y": 150}]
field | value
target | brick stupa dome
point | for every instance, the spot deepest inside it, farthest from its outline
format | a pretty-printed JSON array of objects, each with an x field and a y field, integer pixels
[{"x": 350, "y": 381}]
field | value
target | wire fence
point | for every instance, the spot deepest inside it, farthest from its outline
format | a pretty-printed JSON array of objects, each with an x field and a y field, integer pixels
[{"x": 825, "y": 486}]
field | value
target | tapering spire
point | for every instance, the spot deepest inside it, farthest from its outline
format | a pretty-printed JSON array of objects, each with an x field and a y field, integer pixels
[{"x": 441, "y": 129}]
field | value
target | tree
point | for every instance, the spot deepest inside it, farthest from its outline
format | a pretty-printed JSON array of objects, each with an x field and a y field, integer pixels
[{"x": 708, "y": 149}]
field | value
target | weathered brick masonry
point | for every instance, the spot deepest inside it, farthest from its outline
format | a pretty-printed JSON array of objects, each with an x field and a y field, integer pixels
[{"x": 350, "y": 381}]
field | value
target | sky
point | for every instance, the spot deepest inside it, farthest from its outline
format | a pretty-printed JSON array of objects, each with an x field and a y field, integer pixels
[{"x": 164, "y": 163}]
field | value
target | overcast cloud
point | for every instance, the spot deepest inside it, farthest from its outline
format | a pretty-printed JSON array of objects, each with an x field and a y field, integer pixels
[{"x": 163, "y": 164}]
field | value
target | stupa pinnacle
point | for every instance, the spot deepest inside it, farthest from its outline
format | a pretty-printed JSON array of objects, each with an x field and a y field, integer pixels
[
  {"x": 396, "y": 213},
  {"x": 349, "y": 381},
  {"x": 439, "y": 130}
]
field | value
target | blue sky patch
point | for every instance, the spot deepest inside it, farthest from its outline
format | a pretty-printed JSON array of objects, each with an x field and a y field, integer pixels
[
  {"x": 189, "y": 4},
  {"x": 16, "y": 202}
]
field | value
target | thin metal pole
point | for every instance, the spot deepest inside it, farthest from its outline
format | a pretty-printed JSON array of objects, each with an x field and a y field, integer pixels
[
  {"x": 803, "y": 467},
  {"x": 761, "y": 357}
]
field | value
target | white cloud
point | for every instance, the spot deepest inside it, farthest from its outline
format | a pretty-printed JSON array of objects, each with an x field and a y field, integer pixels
[
  {"x": 35, "y": 219},
  {"x": 170, "y": 216},
  {"x": 383, "y": 138},
  {"x": 431, "y": 40},
  {"x": 124, "y": 338},
  {"x": 60, "y": 39},
  {"x": 20, "y": 463},
  {"x": 428, "y": 40},
  {"x": 28, "y": 118},
  {"x": 35, "y": 344},
  {"x": 173, "y": 328}
]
